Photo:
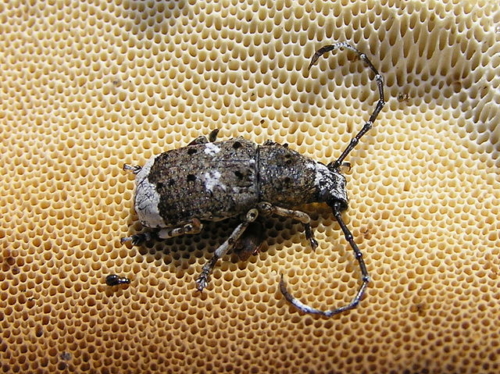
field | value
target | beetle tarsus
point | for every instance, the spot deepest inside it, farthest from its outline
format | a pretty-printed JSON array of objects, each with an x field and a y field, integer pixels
[
  {"x": 310, "y": 236},
  {"x": 135, "y": 169},
  {"x": 139, "y": 239},
  {"x": 202, "y": 281}
]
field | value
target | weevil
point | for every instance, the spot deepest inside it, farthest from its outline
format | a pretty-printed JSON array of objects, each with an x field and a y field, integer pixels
[{"x": 209, "y": 180}]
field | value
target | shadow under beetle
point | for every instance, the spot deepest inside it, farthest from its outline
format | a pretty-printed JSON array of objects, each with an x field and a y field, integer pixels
[{"x": 207, "y": 180}]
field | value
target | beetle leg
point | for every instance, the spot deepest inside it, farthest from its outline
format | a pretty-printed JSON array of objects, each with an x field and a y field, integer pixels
[
  {"x": 268, "y": 209},
  {"x": 202, "y": 280},
  {"x": 337, "y": 212},
  {"x": 138, "y": 239},
  {"x": 212, "y": 137},
  {"x": 135, "y": 169},
  {"x": 191, "y": 228}
]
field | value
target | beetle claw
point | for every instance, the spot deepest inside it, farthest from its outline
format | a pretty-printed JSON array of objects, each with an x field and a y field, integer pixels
[
  {"x": 137, "y": 239},
  {"x": 124, "y": 240},
  {"x": 314, "y": 243},
  {"x": 201, "y": 282}
]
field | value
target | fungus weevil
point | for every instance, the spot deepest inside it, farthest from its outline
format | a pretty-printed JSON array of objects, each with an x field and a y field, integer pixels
[{"x": 211, "y": 181}]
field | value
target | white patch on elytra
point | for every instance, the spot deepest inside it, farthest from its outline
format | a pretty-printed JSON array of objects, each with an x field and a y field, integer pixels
[
  {"x": 147, "y": 198},
  {"x": 211, "y": 149},
  {"x": 212, "y": 180}
]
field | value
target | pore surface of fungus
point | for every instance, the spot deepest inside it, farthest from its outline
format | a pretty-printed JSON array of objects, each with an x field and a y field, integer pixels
[{"x": 87, "y": 86}]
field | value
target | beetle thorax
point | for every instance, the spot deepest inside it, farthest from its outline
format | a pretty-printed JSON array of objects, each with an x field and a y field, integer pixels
[{"x": 288, "y": 179}]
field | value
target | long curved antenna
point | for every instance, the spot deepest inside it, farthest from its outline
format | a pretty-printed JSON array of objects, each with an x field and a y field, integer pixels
[
  {"x": 337, "y": 206},
  {"x": 337, "y": 209},
  {"x": 380, "y": 104}
]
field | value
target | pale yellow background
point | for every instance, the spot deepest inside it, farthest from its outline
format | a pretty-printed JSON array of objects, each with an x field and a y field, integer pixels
[{"x": 89, "y": 85}]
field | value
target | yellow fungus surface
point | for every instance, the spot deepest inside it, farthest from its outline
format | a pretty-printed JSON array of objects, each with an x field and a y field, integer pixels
[{"x": 86, "y": 86}]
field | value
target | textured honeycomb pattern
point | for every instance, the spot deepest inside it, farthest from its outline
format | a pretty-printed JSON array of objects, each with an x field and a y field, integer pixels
[{"x": 87, "y": 86}]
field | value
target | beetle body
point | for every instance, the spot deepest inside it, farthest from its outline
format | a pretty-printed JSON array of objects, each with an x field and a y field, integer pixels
[
  {"x": 208, "y": 181},
  {"x": 216, "y": 181}
]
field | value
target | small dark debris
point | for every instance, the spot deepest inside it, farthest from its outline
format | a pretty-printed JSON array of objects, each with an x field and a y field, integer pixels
[{"x": 115, "y": 280}]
